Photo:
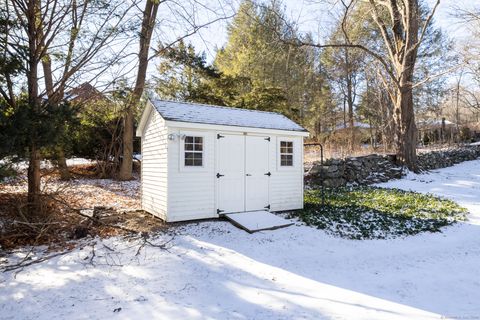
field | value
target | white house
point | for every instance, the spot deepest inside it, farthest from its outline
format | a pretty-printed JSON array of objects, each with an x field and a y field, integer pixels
[{"x": 200, "y": 161}]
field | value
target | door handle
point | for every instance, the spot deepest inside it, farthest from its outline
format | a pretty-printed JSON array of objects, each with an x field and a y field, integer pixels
[{"x": 248, "y": 175}]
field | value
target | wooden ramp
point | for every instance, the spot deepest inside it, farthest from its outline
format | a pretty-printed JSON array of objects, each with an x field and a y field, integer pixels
[{"x": 254, "y": 221}]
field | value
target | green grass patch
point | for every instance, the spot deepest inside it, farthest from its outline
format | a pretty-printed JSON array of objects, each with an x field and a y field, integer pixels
[{"x": 377, "y": 213}]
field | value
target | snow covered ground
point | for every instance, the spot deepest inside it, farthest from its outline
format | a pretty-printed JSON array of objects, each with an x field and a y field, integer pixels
[
  {"x": 47, "y": 164},
  {"x": 212, "y": 270}
]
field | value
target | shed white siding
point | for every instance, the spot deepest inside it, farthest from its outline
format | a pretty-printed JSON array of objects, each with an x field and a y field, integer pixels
[
  {"x": 175, "y": 192},
  {"x": 154, "y": 169},
  {"x": 191, "y": 189},
  {"x": 286, "y": 183}
]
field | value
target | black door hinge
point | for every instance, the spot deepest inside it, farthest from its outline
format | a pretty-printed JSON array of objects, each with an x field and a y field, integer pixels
[
  {"x": 267, "y": 207},
  {"x": 267, "y": 138},
  {"x": 268, "y": 174},
  {"x": 219, "y": 175},
  {"x": 219, "y": 211},
  {"x": 220, "y": 136}
]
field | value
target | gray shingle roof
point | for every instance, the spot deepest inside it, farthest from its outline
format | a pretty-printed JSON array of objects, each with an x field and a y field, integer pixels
[{"x": 208, "y": 114}]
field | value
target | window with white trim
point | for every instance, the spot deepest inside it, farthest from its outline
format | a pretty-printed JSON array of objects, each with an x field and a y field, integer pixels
[
  {"x": 193, "y": 151},
  {"x": 286, "y": 153}
]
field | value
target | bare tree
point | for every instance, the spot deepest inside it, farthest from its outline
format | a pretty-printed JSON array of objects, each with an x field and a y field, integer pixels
[
  {"x": 186, "y": 14},
  {"x": 148, "y": 24},
  {"x": 50, "y": 34},
  {"x": 402, "y": 28},
  {"x": 402, "y": 49},
  {"x": 469, "y": 94}
]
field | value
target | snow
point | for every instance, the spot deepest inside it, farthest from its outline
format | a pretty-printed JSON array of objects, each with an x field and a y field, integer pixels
[
  {"x": 460, "y": 183},
  {"x": 434, "y": 123},
  {"x": 86, "y": 193},
  {"x": 258, "y": 220},
  {"x": 79, "y": 161},
  {"x": 213, "y": 270},
  {"x": 355, "y": 124},
  {"x": 203, "y": 113},
  {"x": 46, "y": 164}
]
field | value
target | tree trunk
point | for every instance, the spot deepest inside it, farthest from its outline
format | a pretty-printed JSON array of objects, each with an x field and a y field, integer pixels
[
  {"x": 48, "y": 78},
  {"x": 348, "y": 78},
  {"x": 405, "y": 128},
  {"x": 351, "y": 121},
  {"x": 62, "y": 164},
  {"x": 127, "y": 161},
  {"x": 33, "y": 174},
  {"x": 60, "y": 153},
  {"x": 148, "y": 23},
  {"x": 33, "y": 180}
]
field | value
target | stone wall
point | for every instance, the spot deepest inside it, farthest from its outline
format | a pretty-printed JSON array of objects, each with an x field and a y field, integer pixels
[
  {"x": 376, "y": 168},
  {"x": 447, "y": 158}
]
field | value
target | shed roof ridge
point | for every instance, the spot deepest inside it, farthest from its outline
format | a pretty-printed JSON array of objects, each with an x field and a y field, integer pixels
[{"x": 217, "y": 106}]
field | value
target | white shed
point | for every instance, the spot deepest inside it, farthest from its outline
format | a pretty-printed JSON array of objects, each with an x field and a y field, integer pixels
[{"x": 200, "y": 161}]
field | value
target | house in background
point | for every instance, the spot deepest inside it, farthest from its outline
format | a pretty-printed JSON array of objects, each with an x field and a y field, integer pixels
[
  {"x": 432, "y": 131},
  {"x": 85, "y": 93},
  {"x": 201, "y": 161}
]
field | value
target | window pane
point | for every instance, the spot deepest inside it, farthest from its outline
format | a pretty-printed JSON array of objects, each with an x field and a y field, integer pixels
[
  {"x": 189, "y": 160},
  {"x": 198, "y": 139},
  {"x": 198, "y": 147},
  {"x": 189, "y": 146},
  {"x": 194, "y": 159},
  {"x": 286, "y": 160},
  {"x": 289, "y": 147},
  {"x": 188, "y": 139},
  {"x": 286, "y": 147}
]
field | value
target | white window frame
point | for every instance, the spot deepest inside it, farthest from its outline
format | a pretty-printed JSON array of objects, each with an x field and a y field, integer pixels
[
  {"x": 182, "y": 165},
  {"x": 279, "y": 154}
]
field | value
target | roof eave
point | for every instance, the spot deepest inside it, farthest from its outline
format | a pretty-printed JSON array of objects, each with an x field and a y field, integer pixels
[
  {"x": 222, "y": 127},
  {"x": 145, "y": 116}
]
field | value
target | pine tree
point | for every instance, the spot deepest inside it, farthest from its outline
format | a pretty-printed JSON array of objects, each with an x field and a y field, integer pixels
[{"x": 283, "y": 77}]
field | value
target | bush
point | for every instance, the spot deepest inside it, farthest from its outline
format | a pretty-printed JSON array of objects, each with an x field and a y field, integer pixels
[
  {"x": 6, "y": 171},
  {"x": 465, "y": 134}
]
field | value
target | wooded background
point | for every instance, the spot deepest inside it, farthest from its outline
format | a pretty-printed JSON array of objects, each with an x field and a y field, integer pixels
[{"x": 75, "y": 75}]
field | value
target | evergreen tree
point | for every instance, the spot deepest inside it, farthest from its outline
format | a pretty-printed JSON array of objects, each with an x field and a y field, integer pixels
[
  {"x": 281, "y": 75},
  {"x": 185, "y": 76},
  {"x": 254, "y": 70}
]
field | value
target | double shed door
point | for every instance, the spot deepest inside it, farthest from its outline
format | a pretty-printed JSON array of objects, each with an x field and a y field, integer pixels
[{"x": 242, "y": 173}]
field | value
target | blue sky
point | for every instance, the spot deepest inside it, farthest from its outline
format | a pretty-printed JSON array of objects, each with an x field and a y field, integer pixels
[{"x": 317, "y": 17}]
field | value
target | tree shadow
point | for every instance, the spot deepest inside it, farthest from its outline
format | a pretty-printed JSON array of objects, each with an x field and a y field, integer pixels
[
  {"x": 214, "y": 270},
  {"x": 207, "y": 275}
]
